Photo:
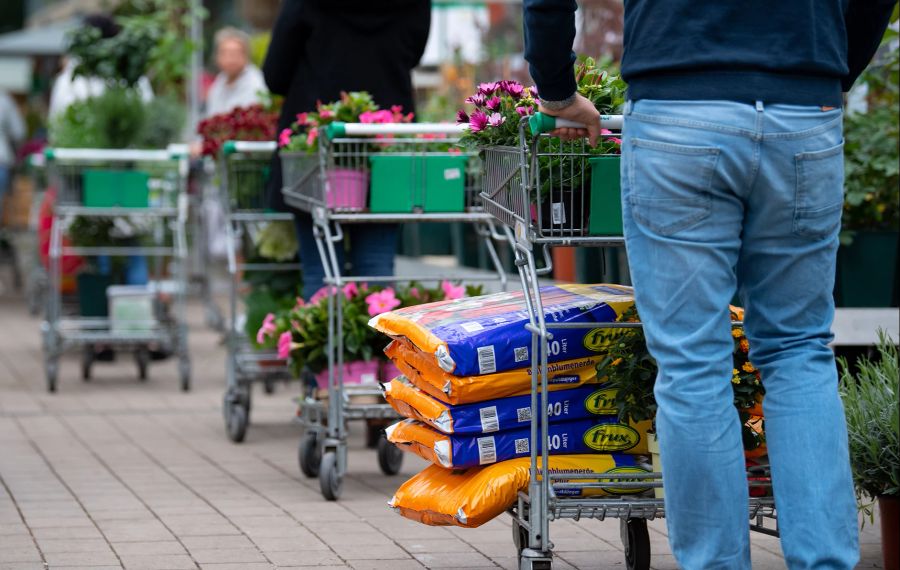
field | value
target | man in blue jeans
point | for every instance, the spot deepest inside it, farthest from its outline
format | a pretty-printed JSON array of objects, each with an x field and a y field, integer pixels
[{"x": 732, "y": 178}]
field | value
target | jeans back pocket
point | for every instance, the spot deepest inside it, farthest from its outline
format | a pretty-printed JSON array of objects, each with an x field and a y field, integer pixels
[
  {"x": 819, "y": 197},
  {"x": 669, "y": 184}
]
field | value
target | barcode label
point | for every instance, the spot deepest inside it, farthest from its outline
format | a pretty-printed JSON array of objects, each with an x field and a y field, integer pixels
[
  {"x": 472, "y": 327},
  {"x": 487, "y": 450},
  {"x": 452, "y": 174},
  {"x": 557, "y": 213},
  {"x": 522, "y": 446},
  {"x": 489, "y": 420},
  {"x": 487, "y": 362},
  {"x": 523, "y": 414},
  {"x": 521, "y": 353}
]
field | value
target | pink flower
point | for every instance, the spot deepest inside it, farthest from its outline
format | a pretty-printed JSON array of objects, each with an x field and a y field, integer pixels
[
  {"x": 488, "y": 88},
  {"x": 350, "y": 290},
  {"x": 382, "y": 302},
  {"x": 618, "y": 141},
  {"x": 311, "y": 136},
  {"x": 284, "y": 345},
  {"x": 396, "y": 109},
  {"x": 452, "y": 291},
  {"x": 478, "y": 99},
  {"x": 496, "y": 119},
  {"x": 477, "y": 121},
  {"x": 267, "y": 329},
  {"x": 284, "y": 137},
  {"x": 493, "y": 103},
  {"x": 513, "y": 88},
  {"x": 414, "y": 293},
  {"x": 533, "y": 91},
  {"x": 300, "y": 303},
  {"x": 524, "y": 111},
  {"x": 322, "y": 293},
  {"x": 461, "y": 117},
  {"x": 303, "y": 118},
  {"x": 326, "y": 114}
]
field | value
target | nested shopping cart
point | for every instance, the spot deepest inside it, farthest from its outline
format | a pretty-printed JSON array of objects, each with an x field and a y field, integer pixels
[
  {"x": 36, "y": 282},
  {"x": 547, "y": 192},
  {"x": 363, "y": 174},
  {"x": 244, "y": 169},
  {"x": 143, "y": 191}
]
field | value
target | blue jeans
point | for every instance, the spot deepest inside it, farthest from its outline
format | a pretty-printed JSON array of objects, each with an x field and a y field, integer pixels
[
  {"x": 4, "y": 186},
  {"x": 372, "y": 251},
  {"x": 721, "y": 198}
]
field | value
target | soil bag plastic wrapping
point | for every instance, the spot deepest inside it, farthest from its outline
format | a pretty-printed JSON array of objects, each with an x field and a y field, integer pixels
[
  {"x": 595, "y": 435},
  {"x": 499, "y": 414},
  {"x": 486, "y": 334},
  {"x": 423, "y": 372},
  {"x": 472, "y": 497}
]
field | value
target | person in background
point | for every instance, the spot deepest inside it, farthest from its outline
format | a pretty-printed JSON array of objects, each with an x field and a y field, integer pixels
[
  {"x": 732, "y": 183},
  {"x": 239, "y": 82},
  {"x": 12, "y": 132},
  {"x": 320, "y": 48}
]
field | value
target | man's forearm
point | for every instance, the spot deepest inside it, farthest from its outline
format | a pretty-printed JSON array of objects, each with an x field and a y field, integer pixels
[
  {"x": 866, "y": 22},
  {"x": 549, "y": 35}
]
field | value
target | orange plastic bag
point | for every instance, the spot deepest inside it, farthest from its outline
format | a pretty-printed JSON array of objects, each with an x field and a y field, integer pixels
[
  {"x": 424, "y": 373},
  {"x": 472, "y": 497}
]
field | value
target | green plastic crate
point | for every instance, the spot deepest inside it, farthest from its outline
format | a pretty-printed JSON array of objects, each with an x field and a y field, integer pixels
[
  {"x": 115, "y": 188},
  {"x": 606, "y": 196},
  {"x": 404, "y": 183}
]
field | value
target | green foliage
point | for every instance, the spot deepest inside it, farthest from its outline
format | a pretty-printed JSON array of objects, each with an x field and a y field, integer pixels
[
  {"x": 873, "y": 422},
  {"x": 167, "y": 116},
  {"x": 604, "y": 90},
  {"x": 120, "y": 60},
  {"x": 277, "y": 241}
]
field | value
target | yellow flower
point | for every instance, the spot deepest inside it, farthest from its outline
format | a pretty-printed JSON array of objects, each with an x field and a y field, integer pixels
[
  {"x": 748, "y": 367},
  {"x": 734, "y": 371},
  {"x": 735, "y": 379},
  {"x": 616, "y": 362},
  {"x": 745, "y": 345},
  {"x": 736, "y": 333}
]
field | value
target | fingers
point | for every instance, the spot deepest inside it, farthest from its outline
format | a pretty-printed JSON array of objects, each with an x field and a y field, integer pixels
[{"x": 569, "y": 134}]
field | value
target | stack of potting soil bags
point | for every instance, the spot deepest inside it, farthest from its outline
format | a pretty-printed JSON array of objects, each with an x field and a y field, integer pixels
[{"x": 466, "y": 391}]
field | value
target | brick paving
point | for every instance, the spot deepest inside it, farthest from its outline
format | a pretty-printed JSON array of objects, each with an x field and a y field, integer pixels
[{"x": 114, "y": 473}]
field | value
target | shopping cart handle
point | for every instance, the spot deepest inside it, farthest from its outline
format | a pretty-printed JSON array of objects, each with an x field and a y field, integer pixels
[
  {"x": 231, "y": 147},
  {"x": 541, "y": 123},
  {"x": 338, "y": 130}
]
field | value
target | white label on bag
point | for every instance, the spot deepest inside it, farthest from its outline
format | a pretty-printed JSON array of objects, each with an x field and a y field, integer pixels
[
  {"x": 487, "y": 361},
  {"x": 489, "y": 420},
  {"x": 557, "y": 213},
  {"x": 487, "y": 450},
  {"x": 472, "y": 327},
  {"x": 452, "y": 174}
]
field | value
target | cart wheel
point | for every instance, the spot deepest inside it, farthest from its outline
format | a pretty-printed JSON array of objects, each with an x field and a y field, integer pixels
[
  {"x": 269, "y": 386},
  {"x": 52, "y": 368},
  {"x": 87, "y": 359},
  {"x": 236, "y": 422},
  {"x": 636, "y": 541},
  {"x": 390, "y": 457},
  {"x": 184, "y": 374},
  {"x": 374, "y": 431},
  {"x": 330, "y": 481},
  {"x": 309, "y": 454},
  {"x": 142, "y": 359},
  {"x": 520, "y": 537}
]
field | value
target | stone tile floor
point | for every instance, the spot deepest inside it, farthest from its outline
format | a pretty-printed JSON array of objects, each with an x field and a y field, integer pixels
[{"x": 114, "y": 473}]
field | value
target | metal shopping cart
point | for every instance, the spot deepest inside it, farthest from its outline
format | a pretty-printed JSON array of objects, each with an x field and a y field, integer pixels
[
  {"x": 145, "y": 190},
  {"x": 244, "y": 169},
  {"x": 36, "y": 281},
  {"x": 546, "y": 193},
  {"x": 414, "y": 178}
]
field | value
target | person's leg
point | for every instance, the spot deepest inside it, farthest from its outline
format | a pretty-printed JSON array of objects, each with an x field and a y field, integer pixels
[
  {"x": 786, "y": 270},
  {"x": 137, "y": 271},
  {"x": 373, "y": 248},
  {"x": 685, "y": 166},
  {"x": 4, "y": 186},
  {"x": 310, "y": 260}
]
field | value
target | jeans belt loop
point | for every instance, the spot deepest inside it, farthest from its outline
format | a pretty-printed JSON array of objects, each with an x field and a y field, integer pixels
[
  {"x": 759, "y": 107},
  {"x": 628, "y": 105}
]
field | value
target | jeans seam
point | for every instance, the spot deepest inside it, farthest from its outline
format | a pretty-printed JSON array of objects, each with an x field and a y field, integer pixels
[
  {"x": 701, "y": 125},
  {"x": 804, "y": 134}
]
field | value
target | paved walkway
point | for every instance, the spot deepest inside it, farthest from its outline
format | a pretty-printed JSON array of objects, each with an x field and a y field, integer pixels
[{"x": 115, "y": 473}]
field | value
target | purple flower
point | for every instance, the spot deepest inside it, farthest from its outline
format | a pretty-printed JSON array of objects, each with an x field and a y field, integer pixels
[
  {"x": 493, "y": 103},
  {"x": 513, "y": 88},
  {"x": 524, "y": 111},
  {"x": 477, "y": 100},
  {"x": 477, "y": 121},
  {"x": 496, "y": 119},
  {"x": 533, "y": 91},
  {"x": 488, "y": 88},
  {"x": 461, "y": 117}
]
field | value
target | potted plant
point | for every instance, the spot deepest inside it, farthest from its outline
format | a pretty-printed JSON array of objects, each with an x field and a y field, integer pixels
[
  {"x": 631, "y": 371},
  {"x": 873, "y": 422},
  {"x": 871, "y": 216}
]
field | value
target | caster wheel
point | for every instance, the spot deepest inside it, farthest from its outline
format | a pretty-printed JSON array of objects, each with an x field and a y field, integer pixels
[
  {"x": 236, "y": 421},
  {"x": 309, "y": 455},
  {"x": 330, "y": 481},
  {"x": 390, "y": 457},
  {"x": 269, "y": 386},
  {"x": 52, "y": 368},
  {"x": 87, "y": 360},
  {"x": 142, "y": 359},
  {"x": 184, "y": 374},
  {"x": 636, "y": 541},
  {"x": 520, "y": 538}
]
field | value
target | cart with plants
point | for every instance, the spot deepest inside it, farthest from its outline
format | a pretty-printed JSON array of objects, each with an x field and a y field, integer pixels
[
  {"x": 351, "y": 163},
  {"x": 113, "y": 205},
  {"x": 261, "y": 255},
  {"x": 547, "y": 192}
]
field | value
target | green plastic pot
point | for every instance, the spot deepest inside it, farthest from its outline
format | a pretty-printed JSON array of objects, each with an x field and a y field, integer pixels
[
  {"x": 867, "y": 270},
  {"x": 92, "y": 294},
  {"x": 606, "y": 196},
  {"x": 406, "y": 183},
  {"x": 115, "y": 188}
]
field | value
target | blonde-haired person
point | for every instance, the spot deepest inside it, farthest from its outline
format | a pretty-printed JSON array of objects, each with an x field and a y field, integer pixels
[{"x": 239, "y": 82}]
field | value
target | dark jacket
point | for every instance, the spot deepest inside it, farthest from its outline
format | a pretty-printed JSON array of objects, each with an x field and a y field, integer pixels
[
  {"x": 320, "y": 48},
  {"x": 778, "y": 51}
]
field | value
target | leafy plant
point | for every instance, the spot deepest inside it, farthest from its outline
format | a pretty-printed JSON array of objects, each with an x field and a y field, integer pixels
[
  {"x": 873, "y": 422},
  {"x": 121, "y": 60},
  {"x": 166, "y": 124}
]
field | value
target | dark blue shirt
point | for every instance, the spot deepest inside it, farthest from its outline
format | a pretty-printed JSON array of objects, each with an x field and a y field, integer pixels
[{"x": 803, "y": 52}]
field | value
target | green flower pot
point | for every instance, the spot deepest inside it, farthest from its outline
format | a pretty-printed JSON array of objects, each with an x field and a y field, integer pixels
[
  {"x": 867, "y": 270},
  {"x": 606, "y": 196}
]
